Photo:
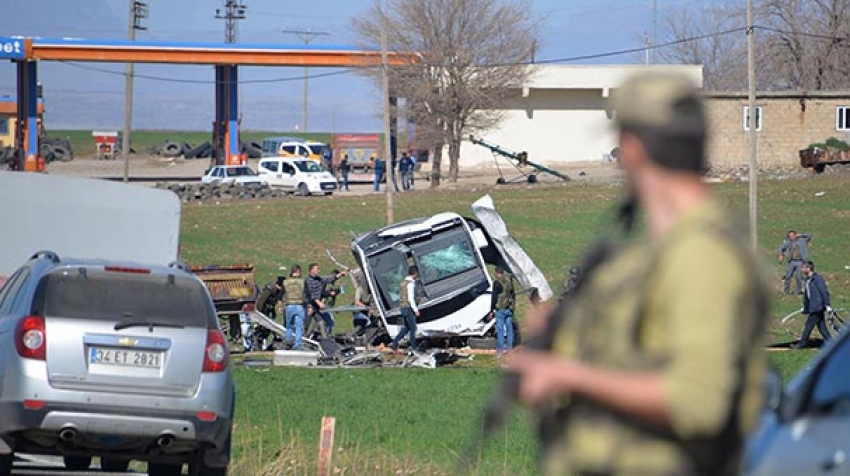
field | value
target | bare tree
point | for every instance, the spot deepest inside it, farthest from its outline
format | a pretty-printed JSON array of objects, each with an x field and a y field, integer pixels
[
  {"x": 719, "y": 52},
  {"x": 472, "y": 54},
  {"x": 806, "y": 43},
  {"x": 801, "y": 44}
]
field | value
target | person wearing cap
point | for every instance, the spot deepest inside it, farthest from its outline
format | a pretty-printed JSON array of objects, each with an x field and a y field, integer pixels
[{"x": 649, "y": 373}]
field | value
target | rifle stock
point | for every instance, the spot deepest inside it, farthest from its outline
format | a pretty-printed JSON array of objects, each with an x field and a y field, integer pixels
[{"x": 506, "y": 395}]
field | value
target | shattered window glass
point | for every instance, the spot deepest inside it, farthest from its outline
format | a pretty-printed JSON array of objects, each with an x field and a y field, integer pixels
[
  {"x": 389, "y": 268},
  {"x": 454, "y": 259}
]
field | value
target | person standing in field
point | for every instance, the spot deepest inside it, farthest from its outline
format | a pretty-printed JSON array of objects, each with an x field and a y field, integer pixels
[
  {"x": 344, "y": 169},
  {"x": 815, "y": 304},
  {"x": 504, "y": 300},
  {"x": 657, "y": 363},
  {"x": 409, "y": 309},
  {"x": 795, "y": 249},
  {"x": 294, "y": 310}
]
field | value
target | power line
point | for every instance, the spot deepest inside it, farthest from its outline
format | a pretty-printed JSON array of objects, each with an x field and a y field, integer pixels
[
  {"x": 306, "y": 36},
  {"x": 206, "y": 81}
]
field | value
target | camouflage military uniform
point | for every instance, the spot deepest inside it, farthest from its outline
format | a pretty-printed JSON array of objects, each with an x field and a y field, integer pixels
[{"x": 647, "y": 309}]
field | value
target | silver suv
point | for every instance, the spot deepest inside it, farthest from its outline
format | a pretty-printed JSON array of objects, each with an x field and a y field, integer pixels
[{"x": 116, "y": 360}]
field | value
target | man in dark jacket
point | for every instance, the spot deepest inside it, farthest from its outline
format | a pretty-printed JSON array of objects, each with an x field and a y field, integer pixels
[
  {"x": 815, "y": 303},
  {"x": 269, "y": 296}
]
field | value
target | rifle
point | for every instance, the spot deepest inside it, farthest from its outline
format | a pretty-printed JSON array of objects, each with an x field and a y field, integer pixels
[{"x": 507, "y": 391}]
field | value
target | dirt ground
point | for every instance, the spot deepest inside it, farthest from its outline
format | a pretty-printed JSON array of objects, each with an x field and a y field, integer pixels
[{"x": 148, "y": 170}]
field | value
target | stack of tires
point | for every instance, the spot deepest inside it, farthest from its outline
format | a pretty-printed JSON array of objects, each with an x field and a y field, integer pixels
[{"x": 52, "y": 149}]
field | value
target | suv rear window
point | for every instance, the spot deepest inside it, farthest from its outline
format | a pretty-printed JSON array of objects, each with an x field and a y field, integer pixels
[{"x": 112, "y": 296}]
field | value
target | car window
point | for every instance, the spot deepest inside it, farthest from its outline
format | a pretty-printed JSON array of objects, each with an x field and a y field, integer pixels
[
  {"x": 7, "y": 294},
  {"x": 290, "y": 149},
  {"x": 288, "y": 169},
  {"x": 308, "y": 166},
  {"x": 270, "y": 166},
  {"x": 17, "y": 295},
  {"x": 833, "y": 381},
  {"x": 112, "y": 296},
  {"x": 216, "y": 172}
]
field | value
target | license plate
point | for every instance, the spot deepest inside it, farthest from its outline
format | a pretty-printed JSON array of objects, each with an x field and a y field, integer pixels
[{"x": 125, "y": 358}]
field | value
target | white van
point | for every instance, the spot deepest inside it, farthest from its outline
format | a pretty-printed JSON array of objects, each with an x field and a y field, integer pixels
[
  {"x": 294, "y": 147},
  {"x": 302, "y": 176}
]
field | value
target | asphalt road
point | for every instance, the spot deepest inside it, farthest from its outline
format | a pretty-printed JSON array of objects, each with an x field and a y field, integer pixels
[{"x": 53, "y": 466}]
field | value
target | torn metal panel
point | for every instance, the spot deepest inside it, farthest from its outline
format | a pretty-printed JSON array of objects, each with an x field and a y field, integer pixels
[{"x": 518, "y": 261}]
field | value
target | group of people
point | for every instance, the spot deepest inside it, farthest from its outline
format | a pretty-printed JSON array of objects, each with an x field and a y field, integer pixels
[
  {"x": 647, "y": 372},
  {"x": 405, "y": 166},
  {"x": 303, "y": 302},
  {"x": 794, "y": 250}
]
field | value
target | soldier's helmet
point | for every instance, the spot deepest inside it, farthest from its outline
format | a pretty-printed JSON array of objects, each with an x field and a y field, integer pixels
[
  {"x": 575, "y": 271},
  {"x": 665, "y": 109}
]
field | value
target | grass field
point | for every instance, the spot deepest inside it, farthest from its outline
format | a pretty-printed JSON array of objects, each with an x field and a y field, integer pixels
[{"x": 394, "y": 421}]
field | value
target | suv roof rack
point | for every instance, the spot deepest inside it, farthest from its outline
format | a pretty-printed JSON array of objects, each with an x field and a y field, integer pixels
[{"x": 46, "y": 254}]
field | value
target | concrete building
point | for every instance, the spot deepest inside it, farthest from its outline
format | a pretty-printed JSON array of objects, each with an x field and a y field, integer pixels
[
  {"x": 786, "y": 122},
  {"x": 8, "y": 116},
  {"x": 561, "y": 116}
]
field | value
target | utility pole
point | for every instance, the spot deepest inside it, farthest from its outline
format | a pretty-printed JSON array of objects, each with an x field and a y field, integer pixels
[
  {"x": 306, "y": 36},
  {"x": 232, "y": 12},
  {"x": 654, "y": 31},
  {"x": 752, "y": 117},
  {"x": 138, "y": 12},
  {"x": 386, "y": 100}
]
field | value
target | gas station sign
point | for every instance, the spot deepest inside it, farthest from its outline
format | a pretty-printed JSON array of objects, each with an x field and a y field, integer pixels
[{"x": 11, "y": 48}]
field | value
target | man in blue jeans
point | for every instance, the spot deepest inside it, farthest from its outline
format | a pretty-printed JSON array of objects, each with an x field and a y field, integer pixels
[
  {"x": 504, "y": 297},
  {"x": 409, "y": 309},
  {"x": 379, "y": 165},
  {"x": 294, "y": 311}
]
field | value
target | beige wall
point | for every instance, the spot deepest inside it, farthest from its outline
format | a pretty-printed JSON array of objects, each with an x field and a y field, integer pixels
[
  {"x": 552, "y": 126},
  {"x": 786, "y": 127}
]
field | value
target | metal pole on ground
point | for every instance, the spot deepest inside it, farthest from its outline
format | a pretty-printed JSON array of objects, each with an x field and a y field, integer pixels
[{"x": 326, "y": 446}]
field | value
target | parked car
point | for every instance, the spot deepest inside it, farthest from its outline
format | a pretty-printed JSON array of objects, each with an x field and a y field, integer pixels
[
  {"x": 113, "y": 359},
  {"x": 232, "y": 174},
  {"x": 295, "y": 147},
  {"x": 301, "y": 176},
  {"x": 806, "y": 429}
]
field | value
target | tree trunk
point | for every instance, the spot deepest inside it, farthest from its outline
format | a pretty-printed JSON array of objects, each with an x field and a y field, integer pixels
[
  {"x": 436, "y": 165},
  {"x": 454, "y": 158}
]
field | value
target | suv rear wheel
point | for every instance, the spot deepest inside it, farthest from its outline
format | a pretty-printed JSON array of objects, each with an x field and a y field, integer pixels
[
  {"x": 6, "y": 464},
  {"x": 160, "y": 469},
  {"x": 199, "y": 468},
  {"x": 77, "y": 463},
  {"x": 303, "y": 190},
  {"x": 112, "y": 465}
]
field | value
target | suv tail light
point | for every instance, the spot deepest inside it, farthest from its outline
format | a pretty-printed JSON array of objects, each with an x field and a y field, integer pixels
[
  {"x": 215, "y": 354},
  {"x": 30, "y": 338}
]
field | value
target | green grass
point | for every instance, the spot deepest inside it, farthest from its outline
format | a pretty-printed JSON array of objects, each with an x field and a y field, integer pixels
[{"x": 415, "y": 421}]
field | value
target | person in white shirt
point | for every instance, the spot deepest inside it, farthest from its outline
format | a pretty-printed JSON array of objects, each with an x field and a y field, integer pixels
[{"x": 409, "y": 309}]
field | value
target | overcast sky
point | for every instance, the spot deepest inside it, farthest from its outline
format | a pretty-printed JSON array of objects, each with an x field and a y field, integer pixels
[{"x": 91, "y": 95}]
